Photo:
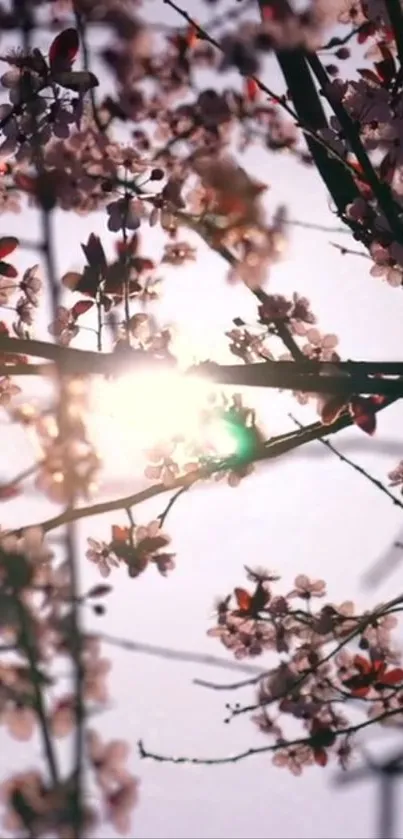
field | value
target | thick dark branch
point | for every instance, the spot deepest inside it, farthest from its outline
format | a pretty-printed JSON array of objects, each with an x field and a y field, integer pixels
[
  {"x": 309, "y": 110},
  {"x": 396, "y": 19},
  {"x": 304, "y": 374},
  {"x": 381, "y": 190},
  {"x": 287, "y": 375}
]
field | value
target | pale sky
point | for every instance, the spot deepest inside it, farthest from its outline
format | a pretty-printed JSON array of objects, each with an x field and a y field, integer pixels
[{"x": 307, "y": 513}]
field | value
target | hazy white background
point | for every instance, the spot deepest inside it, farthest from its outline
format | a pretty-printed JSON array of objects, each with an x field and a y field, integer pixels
[{"x": 304, "y": 513}]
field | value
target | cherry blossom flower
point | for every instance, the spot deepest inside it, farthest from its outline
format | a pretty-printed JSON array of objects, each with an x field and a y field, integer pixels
[
  {"x": 31, "y": 544},
  {"x": 385, "y": 266},
  {"x": 306, "y": 588},
  {"x": 120, "y": 804},
  {"x": 24, "y": 311},
  {"x": 20, "y": 722},
  {"x": 178, "y": 253},
  {"x": 8, "y": 389},
  {"x": 100, "y": 553},
  {"x": 122, "y": 215},
  {"x": 320, "y": 347},
  {"x": 95, "y": 673},
  {"x": 294, "y": 758},
  {"x": 139, "y": 546},
  {"x": 108, "y": 759},
  {"x": 31, "y": 785},
  {"x": 64, "y": 327},
  {"x": 63, "y": 717},
  {"x": 162, "y": 465},
  {"x": 396, "y": 476},
  {"x": 275, "y": 307},
  {"x": 351, "y": 12},
  {"x": 266, "y": 725},
  {"x": 31, "y": 284}
]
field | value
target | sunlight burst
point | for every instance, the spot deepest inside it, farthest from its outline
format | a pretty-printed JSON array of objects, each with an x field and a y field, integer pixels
[{"x": 137, "y": 411}]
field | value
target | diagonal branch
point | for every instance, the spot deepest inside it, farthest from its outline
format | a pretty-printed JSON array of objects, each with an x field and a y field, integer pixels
[
  {"x": 276, "y": 447},
  {"x": 357, "y": 468}
]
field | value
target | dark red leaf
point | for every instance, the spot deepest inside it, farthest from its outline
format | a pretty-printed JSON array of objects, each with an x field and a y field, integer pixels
[
  {"x": 80, "y": 81},
  {"x": 362, "y": 664},
  {"x": 99, "y": 591},
  {"x": 94, "y": 253},
  {"x": 363, "y": 414},
  {"x": 25, "y": 182},
  {"x": 320, "y": 756},
  {"x": 267, "y": 12},
  {"x": 64, "y": 47},
  {"x": 387, "y": 169},
  {"x": 131, "y": 246},
  {"x": 251, "y": 89},
  {"x": 191, "y": 36},
  {"x": 386, "y": 68},
  {"x": 81, "y": 308},
  {"x": 141, "y": 263},
  {"x": 8, "y": 244},
  {"x": 365, "y": 32},
  {"x": 392, "y": 677},
  {"x": 243, "y": 599},
  {"x": 378, "y": 667},
  {"x": 7, "y": 270},
  {"x": 120, "y": 534},
  {"x": 368, "y": 75},
  {"x": 358, "y": 692},
  {"x": 378, "y": 400}
]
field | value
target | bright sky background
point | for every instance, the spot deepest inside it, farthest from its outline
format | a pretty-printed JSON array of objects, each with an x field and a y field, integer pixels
[{"x": 306, "y": 513}]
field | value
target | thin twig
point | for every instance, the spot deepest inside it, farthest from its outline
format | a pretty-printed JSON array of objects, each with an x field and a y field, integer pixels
[
  {"x": 171, "y": 503},
  {"x": 179, "y": 655},
  {"x": 273, "y": 747},
  {"x": 357, "y": 468}
]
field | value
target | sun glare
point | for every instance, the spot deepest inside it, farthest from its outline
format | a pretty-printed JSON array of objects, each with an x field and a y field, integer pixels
[{"x": 136, "y": 412}]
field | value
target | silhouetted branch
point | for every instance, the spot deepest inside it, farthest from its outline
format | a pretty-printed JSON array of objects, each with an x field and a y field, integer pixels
[
  {"x": 357, "y": 468},
  {"x": 304, "y": 375},
  {"x": 277, "y": 446},
  {"x": 273, "y": 747},
  {"x": 181, "y": 655}
]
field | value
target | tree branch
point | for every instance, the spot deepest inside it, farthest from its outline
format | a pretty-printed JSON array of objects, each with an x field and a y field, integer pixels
[
  {"x": 273, "y": 747},
  {"x": 357, "y": 468},
  {"x": 302, "y": 375},
  {"x": 276, "y": 447}
]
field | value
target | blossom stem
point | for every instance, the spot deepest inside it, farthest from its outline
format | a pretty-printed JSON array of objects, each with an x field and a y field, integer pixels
[{"x": 171, "y": 503}]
